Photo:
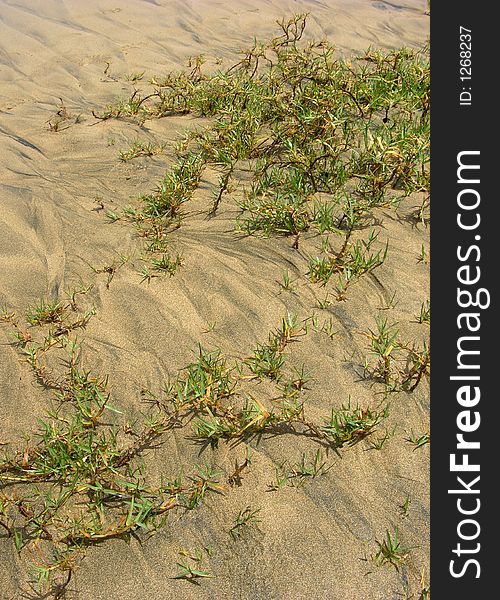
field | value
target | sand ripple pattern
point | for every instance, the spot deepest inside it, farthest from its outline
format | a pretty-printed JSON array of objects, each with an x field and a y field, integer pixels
[{"x": 78, "y": 53}]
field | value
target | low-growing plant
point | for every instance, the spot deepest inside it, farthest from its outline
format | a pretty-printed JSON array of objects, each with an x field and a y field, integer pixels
[
  {"x": 423, "y": 257},
  {"x": 286, "y": 283},
  {"x": 165, "y": 265},
  {"x": 268, "y": 359},
  {"x": 305, "y": 144},
  {"x": 110, "y": 269},
  {"x": 405, "y": 506},
  {"x": 245, "y": 519},
  {"x": 390, "y": 351},
  {"x": 384, "y": 342},
  {"x": 324, "y": 140},
  {"x": 425, "y": 313},
  {"x": 390, "y": 550},
  {"x": 350, "y": 263},
  {"x": 46, "y": 311},
  {"x": 418, "y": 365},
  {"x": 186, "y": 571},
  {"x": 419, "y": 440},
  {"x": 297, "y": 474},
  {"x": 63, "y": 119},
  {"x": 136, "y": 76},
  {"x": 349, "y": 425},
  {"x": 380, "y": 442},
  {"x": 139, "y": 148}
]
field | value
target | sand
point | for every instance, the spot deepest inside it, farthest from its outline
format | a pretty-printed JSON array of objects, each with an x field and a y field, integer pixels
[{"x": 311, "y": 541}]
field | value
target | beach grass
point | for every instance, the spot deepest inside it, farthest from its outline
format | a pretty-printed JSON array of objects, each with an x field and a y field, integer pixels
[
  {"x": 323, "y": 140},
  {"x": 304, "y": 145}
]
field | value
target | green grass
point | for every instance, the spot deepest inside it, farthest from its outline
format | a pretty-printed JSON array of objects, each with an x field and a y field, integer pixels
[
  {"x": 286, "y": 283},
  {"x": 139, "y": 148},
  {"x": 268, "y": 359},
  {"x": 399, "y": 365},
  {"x": 350, "y": 263},
  {"x": 379, "y": 443},
  {"x": 297, "y": 474},
  {"x": 384, "y": 342},
  {"x": 390, "y": 550},
  {"x": 189, "y": 568},
  {"x": 349, "y": 425},
  {"x": 78, "y": 456},
  {"x": 425, "y": 313},
  {"x": 245, "y": 520},
  {"x": 324, "y": 141},
  {"x": 405, "y": 506},
  {"x": 419, "y": 440},
  {"x": 46, "y": 311},
  {"x": 74, "y": 458}
]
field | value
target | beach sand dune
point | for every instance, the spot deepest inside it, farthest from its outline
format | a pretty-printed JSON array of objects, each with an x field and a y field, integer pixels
[{"x": 76, "y": 57}]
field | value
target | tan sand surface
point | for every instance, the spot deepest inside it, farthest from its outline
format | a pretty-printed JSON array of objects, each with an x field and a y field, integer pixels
[{"x": 311, "y": 540}]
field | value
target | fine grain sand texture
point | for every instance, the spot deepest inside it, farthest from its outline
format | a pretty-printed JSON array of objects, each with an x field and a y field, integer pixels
[{"x": 311, "y": 541}]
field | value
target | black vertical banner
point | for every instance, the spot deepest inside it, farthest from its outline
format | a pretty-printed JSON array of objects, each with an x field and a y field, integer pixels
[{"x": 465, "y": 250}]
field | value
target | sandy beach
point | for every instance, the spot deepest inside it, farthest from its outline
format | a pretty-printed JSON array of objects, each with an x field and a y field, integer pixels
[{"x": 61, "y": 173}]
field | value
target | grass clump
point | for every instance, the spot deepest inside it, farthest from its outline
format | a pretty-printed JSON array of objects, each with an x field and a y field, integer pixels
[
  {"x": 82, "y": 468},
  {"x": 246, "y": 519},
  {"x": 350, "y": 263},
  {"x": 46, "y": 311},
  {"x": 209, "y": 393},
  {"x": 297, "y": 474},
  {"x": 83, "y": 476},
  {"x": 139, "y": 148},
  {"x": 349, "y": 425},
  {"x": 419, "y": 440},
  {"x": 268, "y": 358},
  {"x": 324, "y": 141},
  {"x": 176, "y": 188},
  {"x": 390, "y": 351},
  {"x": 390, "y": 550},
  {"x": 425, "y": 313},
  {"x": 164, "y": 265}
]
